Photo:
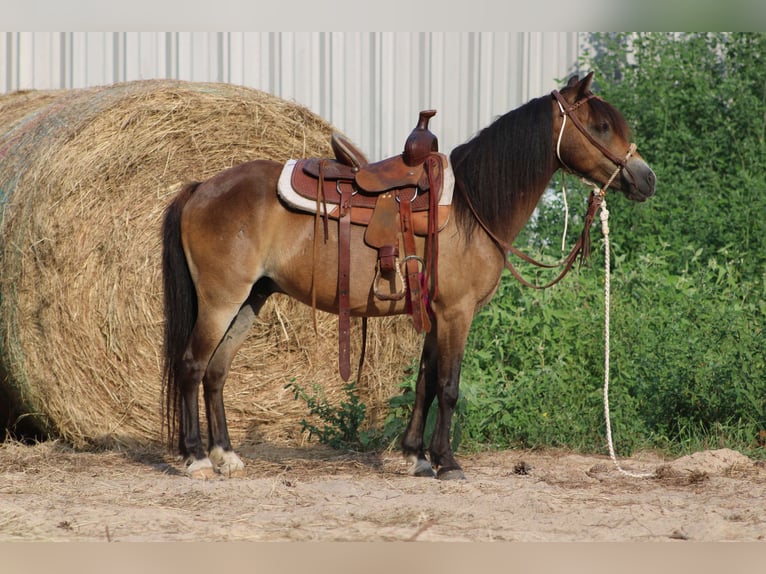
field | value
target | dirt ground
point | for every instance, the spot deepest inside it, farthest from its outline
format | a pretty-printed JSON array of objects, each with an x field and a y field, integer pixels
[{"x": 48, "y": 492}]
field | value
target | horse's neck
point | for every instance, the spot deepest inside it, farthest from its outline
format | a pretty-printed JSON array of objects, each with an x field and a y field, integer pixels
[
  {"x": 523, "y": 208},
  {"x": 522, "y": 211}
]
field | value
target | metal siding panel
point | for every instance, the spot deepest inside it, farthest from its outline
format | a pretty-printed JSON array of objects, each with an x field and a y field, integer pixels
[
  {"x": 118, "y": 57},
  {"x": 6, "y": 57},
  {"x": 341, "y": 65},
  {"x": 368, "y": 84},
  {"x": 25, "y": 64},
  {"x": 132, "y": 59}
]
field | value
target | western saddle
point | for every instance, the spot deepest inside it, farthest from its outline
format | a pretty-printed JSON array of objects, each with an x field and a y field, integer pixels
[{"x": 396, "y": 197}]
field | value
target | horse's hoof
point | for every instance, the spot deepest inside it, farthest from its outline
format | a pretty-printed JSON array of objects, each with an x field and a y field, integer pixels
[
  {"x": 201, "y": 469},
  {"x": 227, "y": 463},
  {"x": 450, "y": 474},
  {"x": 421, "y": 467}
]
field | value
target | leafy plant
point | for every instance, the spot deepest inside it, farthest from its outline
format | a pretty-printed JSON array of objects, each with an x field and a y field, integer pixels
[
  {"x": 697, "y": 103},
  {"x": 341, "y": 424}
]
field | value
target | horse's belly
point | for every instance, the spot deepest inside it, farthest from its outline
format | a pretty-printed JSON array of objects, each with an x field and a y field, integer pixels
[{"x": 309, "y": 273}]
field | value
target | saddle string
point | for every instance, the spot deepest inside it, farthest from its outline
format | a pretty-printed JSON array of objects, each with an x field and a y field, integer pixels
[
  {"x": 363, "y": 351},
  {"x": 435, "y": 182}
]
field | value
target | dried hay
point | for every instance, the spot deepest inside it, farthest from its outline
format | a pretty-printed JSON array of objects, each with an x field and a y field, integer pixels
[
  {"x": 84, "y": 178},
  {"x": 21, "y": 105}
]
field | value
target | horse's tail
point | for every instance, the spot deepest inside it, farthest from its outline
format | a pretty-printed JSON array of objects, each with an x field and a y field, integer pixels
[{"x": 180, "y": 309}]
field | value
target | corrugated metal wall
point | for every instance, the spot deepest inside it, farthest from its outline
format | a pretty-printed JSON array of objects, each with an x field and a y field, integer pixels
[{"x": 369, "y": 85}]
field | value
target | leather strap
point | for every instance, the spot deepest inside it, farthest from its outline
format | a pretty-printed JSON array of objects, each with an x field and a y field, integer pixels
[
  {"x": 344, "y": 274},
  {"x": 415, "y": 301},
  {"x": 320, "y": 202},
  {"x": 434, "y": 169},
  {"x": 567, "y": 110},
  {"x": 581, "y": 248},
  {"x": 363, "y": 351},
  {"x": 382, "y": 231}
]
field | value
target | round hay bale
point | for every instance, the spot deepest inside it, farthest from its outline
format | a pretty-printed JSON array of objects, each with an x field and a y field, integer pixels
[
  {"x": 85, "y": 176},
  {"x": 21, "y": 105}
]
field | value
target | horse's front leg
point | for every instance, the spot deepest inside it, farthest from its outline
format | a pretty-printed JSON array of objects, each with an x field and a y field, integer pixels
[
  {"x": 451, "y": 339},
  {"x": 425, "y": 391},
  {"x": 440, "y": 449}
]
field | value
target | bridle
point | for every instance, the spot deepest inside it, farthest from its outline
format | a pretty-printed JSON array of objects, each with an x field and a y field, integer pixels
[
  {"x": 566, "y": 112},
  {"x": 582, "y": 246}
]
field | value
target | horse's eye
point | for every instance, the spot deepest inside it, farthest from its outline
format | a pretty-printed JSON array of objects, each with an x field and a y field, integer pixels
[{"x": 602, "y": 127}]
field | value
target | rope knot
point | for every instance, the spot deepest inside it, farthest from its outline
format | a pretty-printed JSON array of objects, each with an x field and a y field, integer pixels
[{"x": 604, "y": 217}]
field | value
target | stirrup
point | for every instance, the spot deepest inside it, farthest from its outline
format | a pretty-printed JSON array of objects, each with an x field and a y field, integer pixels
[{"x": 398, "y": 296}]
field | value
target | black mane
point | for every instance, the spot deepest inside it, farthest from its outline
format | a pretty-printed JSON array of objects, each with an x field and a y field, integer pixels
[{"x": 504, "y": 161}]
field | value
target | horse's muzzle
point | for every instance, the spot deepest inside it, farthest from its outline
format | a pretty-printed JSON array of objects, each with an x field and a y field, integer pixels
[{"x": 638, "y": 180}]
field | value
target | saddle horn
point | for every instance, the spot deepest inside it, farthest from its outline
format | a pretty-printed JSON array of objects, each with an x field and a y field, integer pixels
[{"x": 421, "y": 141}]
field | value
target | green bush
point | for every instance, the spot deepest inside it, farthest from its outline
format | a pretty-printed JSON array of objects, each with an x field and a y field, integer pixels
[
  {"x": 695, "y": 362},
  {"x": 697, "y": 103},
  {"x": 688, "y": 308},
  {"x": 340, "y": 425},
  {"x": 687, "y": 360}
]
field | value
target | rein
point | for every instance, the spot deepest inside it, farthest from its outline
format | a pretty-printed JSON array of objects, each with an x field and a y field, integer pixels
[{"x": 582, "y": 246}]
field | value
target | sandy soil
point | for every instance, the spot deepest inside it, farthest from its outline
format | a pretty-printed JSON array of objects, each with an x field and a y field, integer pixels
[{"x": 49, "y": 492}]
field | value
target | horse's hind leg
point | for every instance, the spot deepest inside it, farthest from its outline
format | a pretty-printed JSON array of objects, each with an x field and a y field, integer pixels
[
  {"x": 220, "y": 451},
  {"x": 209, "y": 329},
  {"x": 219, "y": 445}
]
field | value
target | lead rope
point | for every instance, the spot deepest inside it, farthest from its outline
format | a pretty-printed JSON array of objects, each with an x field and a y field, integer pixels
[
  {"x": 604, "y": 216},
  {"x": 566, "y": 214}
]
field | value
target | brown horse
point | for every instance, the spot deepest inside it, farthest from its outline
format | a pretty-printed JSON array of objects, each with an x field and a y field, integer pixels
[{"x": 230, "y": 242}]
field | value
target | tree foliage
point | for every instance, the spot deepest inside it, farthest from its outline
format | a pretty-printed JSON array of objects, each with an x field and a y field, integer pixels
[
  {"x": 688, "y": 310},
  {"x": 697, "y": 103}
]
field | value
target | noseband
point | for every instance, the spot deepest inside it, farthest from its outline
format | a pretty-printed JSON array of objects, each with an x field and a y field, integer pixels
[{"x": 566, "y": 112}]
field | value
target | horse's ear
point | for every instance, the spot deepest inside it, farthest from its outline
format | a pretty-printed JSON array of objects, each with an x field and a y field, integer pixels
[
  {"x": 584, "y": 89},
  {"x": 581, "y": 87}
]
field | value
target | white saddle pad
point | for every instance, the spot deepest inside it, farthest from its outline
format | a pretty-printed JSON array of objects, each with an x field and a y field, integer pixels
[{"x": 294, "y": 199}]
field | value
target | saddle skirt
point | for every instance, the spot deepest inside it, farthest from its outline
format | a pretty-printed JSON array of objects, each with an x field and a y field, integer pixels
[{"x": 295, "y": 178}]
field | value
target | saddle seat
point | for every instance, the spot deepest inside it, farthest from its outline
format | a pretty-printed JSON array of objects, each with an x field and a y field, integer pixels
[{"x": 351, "y": 164}]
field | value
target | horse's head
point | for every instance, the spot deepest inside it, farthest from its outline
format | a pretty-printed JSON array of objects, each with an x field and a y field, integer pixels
[{"x": 593, "y": 139}]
